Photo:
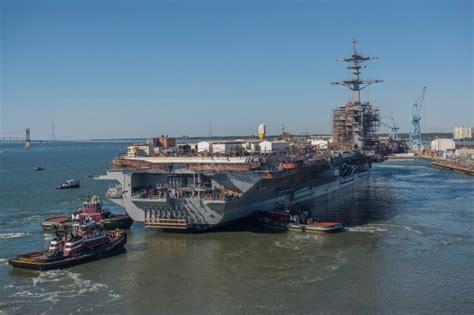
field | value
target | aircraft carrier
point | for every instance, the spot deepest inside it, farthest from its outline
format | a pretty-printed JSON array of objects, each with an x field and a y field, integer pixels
[{"x": 195, "y": 187}]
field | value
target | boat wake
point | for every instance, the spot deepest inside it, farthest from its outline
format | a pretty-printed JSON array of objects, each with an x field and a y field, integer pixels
[
  {"x": 51, "y": 287},
  {"x": 366, "y": 229},
  {"x": 310, "y": 246},
  {"x": 451, "y": 239},
  {"x": 20, "y": 219},
  {"x": 296, "y": 240},
  {"x": 412, "y": 229},
  {"x": 382, "y": 227},
  {"x": 6, "y": 236},
  {"x": 325, "y": 269}
]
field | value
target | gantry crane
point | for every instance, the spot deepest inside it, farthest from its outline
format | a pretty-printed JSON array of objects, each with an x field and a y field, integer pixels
[
  {"x": 394, "y": 128},
  {"x": 415, "y": 131}
]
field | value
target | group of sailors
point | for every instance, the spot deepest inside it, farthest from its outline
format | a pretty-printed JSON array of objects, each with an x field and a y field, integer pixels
[
  {"x": 150, "y": 193},
  {"x": 207, "y": 193},
  {"x": 82, "y": 220},
  {"x": 300, "y": 217}
]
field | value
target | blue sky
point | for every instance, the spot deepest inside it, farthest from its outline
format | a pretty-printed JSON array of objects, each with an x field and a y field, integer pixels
[{"x": 110, "y": 69}]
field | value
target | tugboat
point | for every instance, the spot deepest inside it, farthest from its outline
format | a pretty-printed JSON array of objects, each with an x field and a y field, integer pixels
[
  {"x": 296, "y": 218},
  {"x": 69, "y": 184},
  {"x": 39, "y": 168},
  {"x": 80, "y": 246},
  {"x": 92, "y": 209}
]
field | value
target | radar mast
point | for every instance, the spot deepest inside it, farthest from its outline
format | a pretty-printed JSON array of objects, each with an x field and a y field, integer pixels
[{"x": 355, "y": 124}]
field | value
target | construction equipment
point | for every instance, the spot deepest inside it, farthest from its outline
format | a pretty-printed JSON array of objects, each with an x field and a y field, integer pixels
[
  {"x": 415, "y": 131},
  {"x": 394, "y": 128}
]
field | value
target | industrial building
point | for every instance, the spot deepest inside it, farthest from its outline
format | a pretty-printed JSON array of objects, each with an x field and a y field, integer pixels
[
  {"x": 443, "y": 144},
  {"x": 227, "y": 147},
  {"x": 204, "y": 146},
  {"x": 319, "y": 143},
  {"x": 462, "y": 133},
  {"x": 136, "y": 150},
  {"x": 251, "y": 145},
  {"x": 220, "y": 147},
  {"x": 273, "y": 146}
]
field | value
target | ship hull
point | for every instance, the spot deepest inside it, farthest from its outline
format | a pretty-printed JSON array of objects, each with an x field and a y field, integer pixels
[{"x": 196, "y": 214}]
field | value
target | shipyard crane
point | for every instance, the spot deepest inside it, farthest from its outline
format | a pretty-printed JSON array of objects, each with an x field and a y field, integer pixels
[
  {"x": 394, "y": 128},
  {"x": 415, "y": 131}
]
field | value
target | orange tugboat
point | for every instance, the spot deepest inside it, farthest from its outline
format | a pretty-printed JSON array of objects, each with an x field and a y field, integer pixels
[
  {"x": 90, "y": 211},
  {"x": 296, "y": 218}
]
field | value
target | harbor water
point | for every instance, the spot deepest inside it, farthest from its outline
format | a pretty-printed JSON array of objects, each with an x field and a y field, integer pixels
[{"x": 408, "y": 248}]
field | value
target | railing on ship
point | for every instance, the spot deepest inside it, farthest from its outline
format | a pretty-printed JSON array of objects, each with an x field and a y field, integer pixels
[
  {"x": 166, "y": 218},
  {"x": 184, "y": 193}
]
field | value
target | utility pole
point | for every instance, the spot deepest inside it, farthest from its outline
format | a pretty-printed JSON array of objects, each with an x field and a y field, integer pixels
[
  {"x": 209, "y": 133},
  {"x": 53, "y": 134}
]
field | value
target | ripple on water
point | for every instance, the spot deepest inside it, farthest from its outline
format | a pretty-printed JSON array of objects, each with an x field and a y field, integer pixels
[
  {"x": 11, "y": 235},
  {"x": 366, "y": 229},
  {"x": 401, "y": 166},
  {"x": 412, "y": 229},
  {"x": 18, "y": 220},
  {"x": 321, "y": 270},
  {"x": 383, "y": 227},
  {"x": 294, "y": 240},
  {"x": 324, "y": 260},
  {"x": 442, "y": 242},
  {"x": 49, "y": 288}
]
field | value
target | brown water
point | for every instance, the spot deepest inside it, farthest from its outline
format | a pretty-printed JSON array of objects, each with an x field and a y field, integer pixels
[{"x": 409, "y": 248}]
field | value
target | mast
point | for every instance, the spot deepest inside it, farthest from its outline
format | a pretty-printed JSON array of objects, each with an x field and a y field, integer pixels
[
  {"x": 355, "y": 123},
  {"x": 356, "y": 84}
]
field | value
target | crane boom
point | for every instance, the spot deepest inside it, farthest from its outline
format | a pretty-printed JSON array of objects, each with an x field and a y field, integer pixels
[{"x": 415, "y": 131}]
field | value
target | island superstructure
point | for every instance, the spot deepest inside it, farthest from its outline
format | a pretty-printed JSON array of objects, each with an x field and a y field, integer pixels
[
  {"x": 199, "y": 186},
  {"x": 355, "y": 123}
]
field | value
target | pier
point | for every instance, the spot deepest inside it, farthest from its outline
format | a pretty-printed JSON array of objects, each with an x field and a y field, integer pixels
[{"x": 449, "y": 165}]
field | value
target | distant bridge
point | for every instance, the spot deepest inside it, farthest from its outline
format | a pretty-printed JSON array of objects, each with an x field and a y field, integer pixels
[{"x": 13, "y": 136}]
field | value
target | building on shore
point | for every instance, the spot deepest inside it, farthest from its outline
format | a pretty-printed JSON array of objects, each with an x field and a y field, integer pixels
[
  {"x": 443, "y": 145},
  {"x": 224, "y": 147},
  {"x": 463, "y": 133},
  {"x": 136, "y": 150},
  {"x": 274, "y": 146},
  {"x": 319, "y": 143}
]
